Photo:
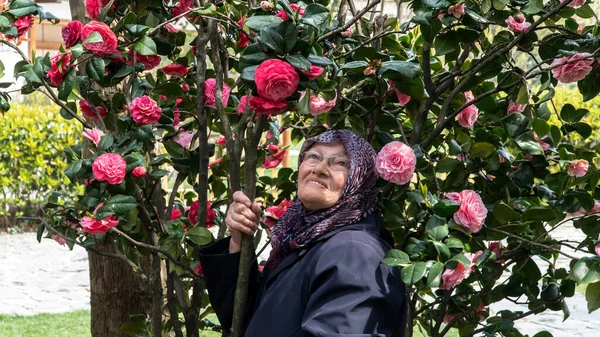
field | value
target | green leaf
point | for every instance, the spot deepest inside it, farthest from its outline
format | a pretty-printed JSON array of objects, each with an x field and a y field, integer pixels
[
  {"x": 4, "y": 23},
  {"x": 65, "y": 114},
  {"x": 168, "y": 89},
  {"x": 137, "y": 30},
  {"x": 303, "y": 105},
  {"x": 354, "y": 67},
  {"x": 515, "y": 124},
  {"x": 500, "y": 4},
  {"x": 299, "y": 62},
  {"x": 413, "y": 273},
  {"x": 95, "y": 68},
  {"x": 395, "y": 257},
  {"x": 248, "y": 73},
  {"x": 592, "y": 296},
  {"x": 257, "y": 22},
  {"x": 199, "y": 235},
  {"x": 145, "y": 46},
  {"x": 539, "y": 214},
  {"x": 504, "y": 213},
  {"x": 436, "y": 4},
  {"x": 586, "y": 270},
  {"x": 315, "y": 15},
  {"x": 66, "y": 87},
  {"x": 94, "y": 37},
  {"x": 446, "y": 165},
  {"x": 540, "y": 127},
  {"x": 437, "y": 227},
  {"x": 40, "y": 232},
  {"x": 445, "y": 44},
  {"x": 589, "y": 87},
  {"x": 160, "y": 159},
  {"x": 533, "y": 7},
  {"x": 105, "y": 142},
  {"x": 583, "y": 129},
  {"x": 271, "y": 39},
  {"x": 543, "y": 334},
  {"x": 571, "y": 115},
  {"x": 399, "y": 70},
  {"x": 434, "y": 278},
  {"x": 481, "y": 150},
  {"x": 2, "y": 65},
  {"x": 528, "y": 144},
  {"x": 134, "y": 160},
  {"x": 136, "y": 327},
  {"x": 118, "y": 205},
  {"x": 445, "y": 208},
  {"x": 289, "y": 32},
  {"x": 319, "y": 60},
  {"x": 20, "y": 8}
]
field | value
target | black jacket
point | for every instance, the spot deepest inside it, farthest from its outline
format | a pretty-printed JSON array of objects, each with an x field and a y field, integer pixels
[{"x": 336, "y": 287}]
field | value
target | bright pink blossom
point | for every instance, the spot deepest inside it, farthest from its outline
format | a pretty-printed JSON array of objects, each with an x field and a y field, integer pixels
[
  {"x": 457, "y": 10},
  {"x": 275, "y": 212},
  {"x": 23, "y": 24},
  {"x": 545, "y": 146},
  {"x": 88, "y": 110},
  {"x": 315, "y": 71},
  {"x": 109, "y": 167},
  {"x": 138, "y": 172},
  {"x": 175, "y": 69},
  {"x": 94, "y": 135},
  {"x": 575, "y": 3},
  {"x": 517, "y": 23},
  {"x": 283, "y": 15},
  {"x": 93, "y": 226},
  {"x": 221, "y": 141},
  {"x": 468, "y": 116},
  {"x": 594, "y": 210},
  {"x": 175, "y": 214},
  {"x": 61, "y": 241},
  {"x": 243, "y": 102},
  {"x": 347, "y": 33},
  {"x": 266, "y": 107},
  {"x": 149, "y": 61},
  {"x": 210, "y": 92},
  {"x": 403, "y": 98},
  {"x": 578, "y": 168},
  {"x": 176, "y": 120},
  {"x": 216, "y": 162},
  {"x": 597, "y": 249},
  {"x": 565, "y": 70},
  {"x": 396, "y": 163},
  {"x": 243, "y": 39},
  {"x": 495, "y": 247},
  {"x": 185, "y": 138},
  {"x": 472, "y": 211},
  {"x": 108, "y": 45},
  {"x": 273, "y": 160},
  {"x": 453, "y": 277},
  {"x": 276, "y": 80},
  {"x": 144, "y": 110},
  {"x": 59, "y": 66},
  {"x": 71, "y": 33},
  {"x": 514, "y": 107},
  {"x": 93, "y": 8}
]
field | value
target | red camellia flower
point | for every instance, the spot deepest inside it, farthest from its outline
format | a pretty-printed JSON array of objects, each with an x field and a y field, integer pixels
[
  {"x": 472, "y": 211},
  {"x": 265, "y": 106},
  {"x": 59, "y": 67},
  {"x": 567, "y": 71},
  {"x": 175, "y": 214},
  {"x": 210, "y": 92},
  {"x": 243, "y": 40},
  {"x": 275, "y": 213},
  {"x": 94, "y": 7},
  {"x": 22, "y": 24},
  {"x": 93, "y": 226},
  {"x": 283, "y": 15},
  {"x": 149, "y": 62},
  {"x": 71, "y": 33},
  {"x": 182, "y": 7},
  {"x": 109, "y": 43},
  {"x": 109, "y": 167},
  {"x": 144, "y": 110},
  {"x": 315, "y": 71},
  {"x": 138, "y": 172},
  {"x": 88, "y": 110},
  {"x": 273, "y": 160},
  {"x": 221, "y": 141},
  {"x": 276, "y": 80},
  {"x": 210, "y": 214},
  {"x": 242, "y": 106},
  {"x": 175, "y": 69}
]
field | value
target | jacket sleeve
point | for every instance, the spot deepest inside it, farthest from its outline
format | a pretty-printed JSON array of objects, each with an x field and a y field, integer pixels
[
  {"x": 352, "y": 293},
  {"x": 220, "y": 270}
]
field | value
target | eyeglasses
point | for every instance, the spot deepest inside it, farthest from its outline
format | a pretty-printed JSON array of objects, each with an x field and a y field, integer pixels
[{"x": 335, "y": 163}]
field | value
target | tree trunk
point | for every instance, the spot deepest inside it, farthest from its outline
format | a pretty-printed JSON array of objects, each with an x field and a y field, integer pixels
[{"x": 115, "y": 294}]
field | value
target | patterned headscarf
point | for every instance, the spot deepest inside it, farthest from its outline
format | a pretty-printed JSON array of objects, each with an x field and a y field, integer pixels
[{"x": 299, "y": 227}]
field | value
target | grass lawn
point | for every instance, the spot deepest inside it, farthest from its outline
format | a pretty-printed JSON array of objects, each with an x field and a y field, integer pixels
[{"x": 70, "y": 324}]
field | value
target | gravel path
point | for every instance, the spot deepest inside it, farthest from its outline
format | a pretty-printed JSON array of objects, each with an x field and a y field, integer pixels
[{"x": 46, "y": 277}]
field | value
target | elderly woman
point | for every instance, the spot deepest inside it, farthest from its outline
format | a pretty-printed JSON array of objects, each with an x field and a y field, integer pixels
[{"x": 325, "y": 275}]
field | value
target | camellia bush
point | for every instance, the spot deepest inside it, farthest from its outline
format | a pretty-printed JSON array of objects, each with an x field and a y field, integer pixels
[{"x": 475, "y": 174}]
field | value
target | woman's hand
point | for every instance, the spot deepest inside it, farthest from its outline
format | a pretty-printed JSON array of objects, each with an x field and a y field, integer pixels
[{"x": 243, "y": 216}]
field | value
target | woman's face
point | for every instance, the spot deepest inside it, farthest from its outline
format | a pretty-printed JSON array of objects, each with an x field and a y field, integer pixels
[{"x": 320, "y": 187}]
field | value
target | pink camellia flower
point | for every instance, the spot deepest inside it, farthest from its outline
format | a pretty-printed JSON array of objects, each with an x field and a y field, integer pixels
[
  {"x": 315, "y": 71},
  {"x": 347, "y": 33},
  {"x": 176, "y": 120},
  {"x": 221, "y": 141},
  {"x": 108, "y": 45},
  {"x": 567, "y": 71},
  {"x": 594, "y": 210},
  {"x": 578, "y": 168},
  {"x": 95, "y": 135},
  {"x": 495, "y": 247},
  {"x": 93, "y": 8},
  {"x": 150, "y": 61},
  {"x": 273, "y": 148},
  {"x": 273, "y": 160},
  {"x": 269, "y": 135},
  {"x": 88, "y": 110},
  {"x": 468, "y": 116},
  {"x": 93, "y": 226},
  {"x": 210, "y": 214},
  {"x": 185, "y": 87},
  {"x": 61, "y": 241},
  {"x": 185, "y": 138},
  {"x": 109, "y": 167},
  {"x": 60, "y": 64},
  {"x": 575, "y": 3},
  {"x": 216, "y": 162},
  {"x": 266, "y": 6},
  {"x": 597, "y": 249},
  {"x": 274, "y": 213},
  {"x": 403, "y": 98},
  {"x": 396, "y": 163},
  {"x": 138, "y": 172},
  {"x": 457, "y": 10},
  {"x": 276, "y": 80},
  {"x": 175, "y": 69},
  {"x": 472, "y": 211},
  {"x": 453, "y": 277},
  {"x": 460, "y": 157},
  {"x": 319, "y": 105},
  {"x": 243, "y": 39},
  {"x": 514, "y": 107},
  {"x": 243, "y": 103},
  {"x": 71, "y": 32},
  {"x": 283, "y": 15},
  {"x": 23, "y": 24},
  {"x": 545, "y": 146},
  {"x": 144, "y": 110},
  {"x": 517, "y": 23},
  {"x": 175, "y": 214},
  {"x": 265, "y": 106},
  {"x": 210, "y": 92}
]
